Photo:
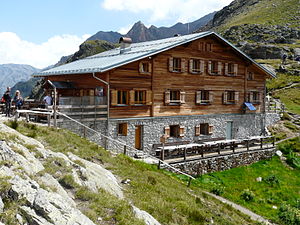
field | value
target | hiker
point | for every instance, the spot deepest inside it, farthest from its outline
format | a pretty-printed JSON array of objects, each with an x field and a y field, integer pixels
[
  {"x": 284, "y": 57},
  {"x": 7, "y": 99},
  {"x": 18, "y": 100},
  {"x": 47, "y": 99}
]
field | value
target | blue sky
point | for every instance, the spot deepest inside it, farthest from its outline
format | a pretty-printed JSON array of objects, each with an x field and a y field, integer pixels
[{"x": 39, "y": 32}]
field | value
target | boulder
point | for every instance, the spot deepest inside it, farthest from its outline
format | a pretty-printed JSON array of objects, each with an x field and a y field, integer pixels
[
  {"x": 95, "y": 177},
  {"x": 262, "y": 51},
  {"x": 146, "y": 217},
  {"x": 1, "y": 205}
]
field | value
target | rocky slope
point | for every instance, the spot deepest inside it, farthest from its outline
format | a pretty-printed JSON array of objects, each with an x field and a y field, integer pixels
[
  {"x": 31, "y": 194},
  {"x": 10, "y": 74},
  {"x": 264, "y": 29}
]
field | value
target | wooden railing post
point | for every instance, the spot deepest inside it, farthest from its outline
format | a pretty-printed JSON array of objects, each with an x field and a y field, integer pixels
[
  {"x": 162, "y": 157},
  {"x": 84, "y": 132},
  {"x": 247, "y": 144},
  {"x": 233, "y": 147},
  {"x": 202, "y": 152},
  {"x": 184, "y": 154},
  {"x": 190, "y": 181},
  {"x": 273, "y": 141},
  {"x": 125, "y": 150},
  {"x": 158, "y": 165},
  {"x": 261, "y": 143},
  {"x": 219, "y": 148}
]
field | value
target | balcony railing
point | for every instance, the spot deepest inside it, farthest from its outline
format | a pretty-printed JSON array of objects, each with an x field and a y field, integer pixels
[{"x": 84, "y": 100}]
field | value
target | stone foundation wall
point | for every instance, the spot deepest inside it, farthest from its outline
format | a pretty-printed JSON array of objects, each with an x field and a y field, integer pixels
[
  {"x": 220, "y": 163},
  {"x": 244, "y": 125},
  {"x": 272, "y": 118}
]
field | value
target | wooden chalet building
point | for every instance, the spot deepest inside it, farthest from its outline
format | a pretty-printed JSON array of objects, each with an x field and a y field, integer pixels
[{"x": 188, "y": 88}]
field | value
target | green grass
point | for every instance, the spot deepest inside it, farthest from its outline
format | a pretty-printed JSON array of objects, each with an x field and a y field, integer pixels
[
  {"x": 266, "y": 13},
  {"x": 291, "y": 99},
  {"x": 280, "y": 185},
  {"x": 158, "y": 192},
  {"x": 282, "y": 80}
]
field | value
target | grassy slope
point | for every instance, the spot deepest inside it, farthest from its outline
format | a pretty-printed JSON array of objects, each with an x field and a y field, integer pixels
[
  {"x": 167, "y": 198},
  {"x": 266, "y": 13},
  {"x": 266, "y": 195}
]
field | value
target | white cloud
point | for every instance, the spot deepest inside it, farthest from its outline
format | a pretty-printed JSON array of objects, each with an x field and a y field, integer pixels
[
  {"x": 15, "y": 50},
  {"x": 181, "y": 10},
  {"x": 124, "y": 30}
]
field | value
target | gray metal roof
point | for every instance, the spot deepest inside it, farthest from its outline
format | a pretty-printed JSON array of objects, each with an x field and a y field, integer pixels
[{"x": 112, "y": 59}]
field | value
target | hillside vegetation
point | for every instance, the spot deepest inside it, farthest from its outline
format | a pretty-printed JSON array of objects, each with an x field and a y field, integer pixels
[{"x": 158, "y": 192}]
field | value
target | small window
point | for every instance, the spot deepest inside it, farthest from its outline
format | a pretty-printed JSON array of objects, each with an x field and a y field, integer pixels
[
  {"x": 254, "y": 97},
  {"x": 177, "y": 64},
  {"x": 196, "y": 66},
  {"x": 204, "y": 129},
  {"x": 230, "y": 68},
  {"x": 175, "y": 96},
  {"x": 123, "y": 98},
  {"x": 230, "y": 97},
  {"x": 250, "y": 76},
  {"x": 140, "y": 97},
  {"x": 214, "y": 67},
  {"x": 145, "y": 67},
  {"x": 122, "y": 129},
  {"x": 174, "y": 131},
  {"x": 208, "y": 47},
  {"x": 204, "y": 97}
]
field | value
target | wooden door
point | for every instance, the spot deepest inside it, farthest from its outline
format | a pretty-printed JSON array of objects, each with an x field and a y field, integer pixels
[
  {"x": 229, "y": 130},
  {"x": 138, "y": 137}
]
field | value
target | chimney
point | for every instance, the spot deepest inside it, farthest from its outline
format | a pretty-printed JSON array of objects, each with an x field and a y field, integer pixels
[
  {"x": 177, "y": 35},
  {"x": 125, "y": 44}
]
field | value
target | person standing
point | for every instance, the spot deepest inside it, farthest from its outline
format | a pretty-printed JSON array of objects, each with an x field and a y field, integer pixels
[
  {"x": 7, "y": 99},
  {"x": 47, "y": 100},
  {"x": 18, "y": 100}
]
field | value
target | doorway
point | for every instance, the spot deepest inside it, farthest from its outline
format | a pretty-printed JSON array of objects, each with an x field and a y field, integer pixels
[
  {"x": 138, "y": 137},
  {"x": 229, "y": 130}
]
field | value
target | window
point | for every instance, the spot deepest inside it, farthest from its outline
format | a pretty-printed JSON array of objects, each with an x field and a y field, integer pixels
[
  {"x": 250, "y": 76},
  {"x": 230, "y": 97},
  {"x": 205, "y": 47},
  {"x": 145, "y": 67},
  {"x": 231, "y": 70},
  {"x": 176, "y": 64},
  {"x": 122, "y": 98},
  {"x": 203, "y": 129},
  {"x": 122, "y": 129},
  {"x": 204, "y": 97},
  {"x": 140, "y": 97},
  {"x": 208, "y": 47},
  {"x": 196, "y": 66},
  {"x": 174, "y": 131},
  {"x": 174, "y": 97},
  {"x": 254, "y": 97},
  {"x": 214, "y": 68}
]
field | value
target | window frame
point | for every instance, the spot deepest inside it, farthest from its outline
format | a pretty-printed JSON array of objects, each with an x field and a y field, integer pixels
[
  {"x": 122, "y": 129},
  {"x": 177, "y": 60},
  {"x": 140, "y": 102},
  {"x": 143, "y": 65},
  {"x": 120, "y": 103},
  {"x": 250, "y": 76},
  {"x": 230, "y": 97},
  {"x": 194, "y": 69}
]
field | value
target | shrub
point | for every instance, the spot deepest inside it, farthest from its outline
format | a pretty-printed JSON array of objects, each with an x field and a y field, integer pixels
[
  {"x": 84, "y": 194},
  {"x": 217, "y": 190},
  {"x": 272, "y": 180},
  {"x": 289, "y": 215},
  {"x": 68, "y": 181},
  {"x": 293, "y": 160},
  {"x": 247, "y": 195},
  {"x": 13, "y": 124}
]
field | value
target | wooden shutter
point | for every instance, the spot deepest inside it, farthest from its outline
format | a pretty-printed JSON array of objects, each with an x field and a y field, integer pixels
[
  {"x": 211, "y": 96},
  {"x": 210, "y": 129},
  {"x": 197, "y": 130},
  {"x": 183, "y": 67},
  {"x": 220, "y": 68},
  {"x": 167, "y": 97},
  {"x": 148, "y": 97},
  {"x": 171, "y": 64},
  {"x": 141, "y": 67},
  {"x": 131, "y": 97},
  {"x": 225, "y": 97},
  {"x": 150, "y": 67},
  {"x": 250, "y": 96},
  {"x": 226, "y": 69},
  {"x": 236, "y": 96},
  {"x": 182, "y": 97},
  {"x": 114, "y": 97},
  {"x": 235, "y": 69},
  {"x": 191, "y": 66},
  {"x": 198, "y": 97},
  {"x": 202, "y": 64},
  {"x": 167, "y": 131},
  {"x": 181, "y": 131},
  {"x": 125, "y": 128},
  {"x": 209, "y": 67},
  {"x": 260, "y": 99}
]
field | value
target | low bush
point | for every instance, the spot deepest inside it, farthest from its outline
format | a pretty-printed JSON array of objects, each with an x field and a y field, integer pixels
[
  {"x": 289, "y": 215},
  {"x": 68, "y": 181},
  {"x": 247, "y": 195},
  {"x": 272, "y": 180},
  {"x": 217, "y": 190},
  {"x": 84, "y": 194}
]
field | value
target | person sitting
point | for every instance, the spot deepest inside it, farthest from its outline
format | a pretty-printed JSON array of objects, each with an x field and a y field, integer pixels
[
  {"x": 18, "y": 100},
  {"x": 47, "y": 100}
]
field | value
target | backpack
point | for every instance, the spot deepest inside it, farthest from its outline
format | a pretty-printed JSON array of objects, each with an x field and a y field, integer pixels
[{"x": 2, "y": 100}]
